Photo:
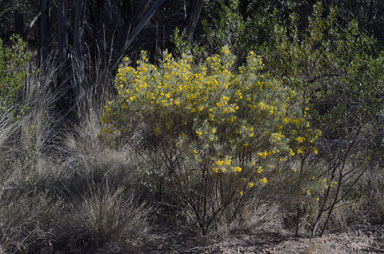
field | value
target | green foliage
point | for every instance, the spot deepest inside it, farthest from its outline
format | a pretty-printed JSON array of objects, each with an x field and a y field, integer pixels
[
  {"x": 182, "y": 45},
  {"x": 245, "y": 25},
  {"x": 227, "y": 29},
  {"x": 341, "y": 78},
  {"x": 13, "y": 71},
  {"x": 216, "y": 131},
  {"x": 329, "y": 63}
]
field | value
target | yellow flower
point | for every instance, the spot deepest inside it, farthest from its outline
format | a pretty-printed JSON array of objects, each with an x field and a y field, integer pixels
[
  {"x": 157, "y": 131},
  {"x": 241, "y": 193},
  {"x": 225, "y": 50},
  {"x": 251, "y": 184},
  {"x": 315, "y": 150},
  {"x": 260, "y": 170},
  {"x": 228, "y": 162},
  {"x": 236, "y": 169},
  {"x": 300, "y": 139},
  {"x": 291, "y": 152},
  {"x": 199, "y": 133},
  {"x": 264, "y": 180},
  {"x": 214, "y": 130},
  {"x": 219, "y": 163},
  {"x": 308, "y": 192},
  {"x": 263, "y": 154},
  {"x": 301, "y": 150}
]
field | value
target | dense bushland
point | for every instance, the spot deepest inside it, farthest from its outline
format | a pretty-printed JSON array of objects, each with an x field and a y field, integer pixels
[{"x": 223, "y": 136}]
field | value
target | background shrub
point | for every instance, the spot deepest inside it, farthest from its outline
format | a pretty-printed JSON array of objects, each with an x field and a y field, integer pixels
[
  {"x": 13, "y": 71},
  {"x": 340, "y": 76}
]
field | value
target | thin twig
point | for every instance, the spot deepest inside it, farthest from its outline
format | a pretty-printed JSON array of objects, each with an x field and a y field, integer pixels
[{"x": 371, "y": 247}]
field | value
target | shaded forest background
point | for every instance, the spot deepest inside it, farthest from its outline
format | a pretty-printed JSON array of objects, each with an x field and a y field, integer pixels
[{"x": 75, "y": 35}]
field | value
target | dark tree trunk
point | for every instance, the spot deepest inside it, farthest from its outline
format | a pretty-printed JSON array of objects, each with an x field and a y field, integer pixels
[
  {"x": 63, "y": 87},
  {"x": 19, "y": 24},
  {"x": 197, "y": 6},
  {"x": 43, "y": 34},
  {"x": 79, "y": 49},
  {"x": 130, "y": 37},
  {"x": 62, "y": 31}
]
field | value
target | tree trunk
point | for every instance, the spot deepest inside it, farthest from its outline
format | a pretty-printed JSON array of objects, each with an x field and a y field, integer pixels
[
  {"x": 79, "y": 50},
  {"x": 19, "y": 24},
  {"x": 132, "y": 35},
  {"x": 62, "y": 31},
  {"x": 197, "y": 6},
  {"x": 43, "y": 34}
]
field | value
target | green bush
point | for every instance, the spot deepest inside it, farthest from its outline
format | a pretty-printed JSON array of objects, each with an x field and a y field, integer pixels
[
  {"x": 13, "y": 71},
  {"x": 341, "y": 76},
  {"x": 213, "y": 133}
]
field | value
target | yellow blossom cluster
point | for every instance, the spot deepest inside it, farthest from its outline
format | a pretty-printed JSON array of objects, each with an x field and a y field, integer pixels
[{"x": 220, "y": 111}]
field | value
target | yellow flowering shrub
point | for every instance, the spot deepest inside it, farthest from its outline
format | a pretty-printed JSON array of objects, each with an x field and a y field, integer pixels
[{"x": 220, "y": 131}]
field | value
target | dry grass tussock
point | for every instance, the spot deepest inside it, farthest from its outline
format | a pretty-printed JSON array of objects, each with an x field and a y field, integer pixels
[{"x": 83, "y": 204}]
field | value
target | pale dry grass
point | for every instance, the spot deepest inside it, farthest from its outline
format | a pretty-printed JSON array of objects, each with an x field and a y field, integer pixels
[{"x": 77, "y": 203}]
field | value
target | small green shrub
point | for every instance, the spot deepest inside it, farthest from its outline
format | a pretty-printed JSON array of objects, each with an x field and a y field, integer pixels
[
  {"x": 213, "y": 132},
  {"x": 13, "y": 71}
]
